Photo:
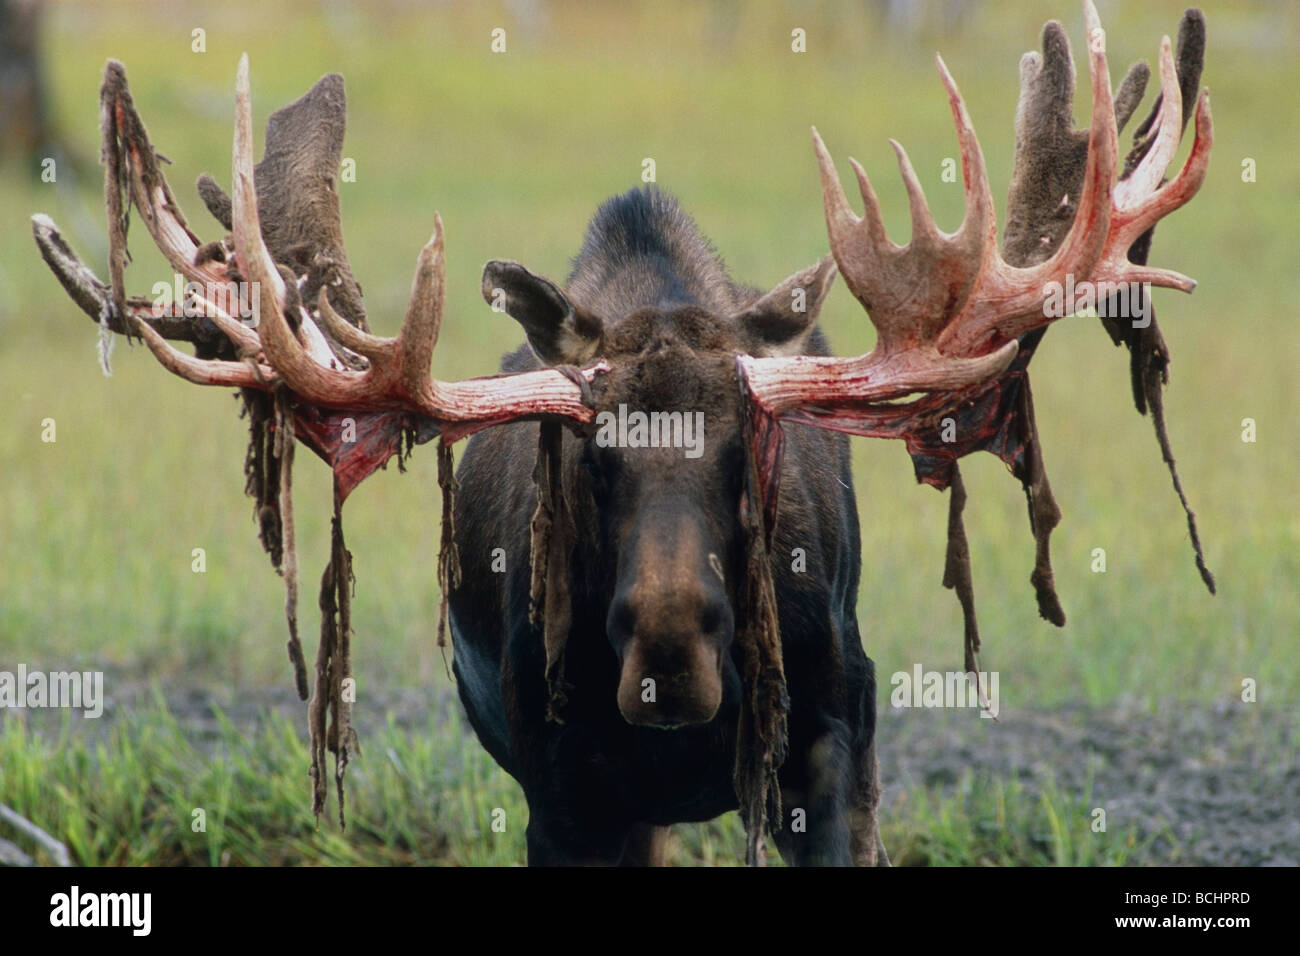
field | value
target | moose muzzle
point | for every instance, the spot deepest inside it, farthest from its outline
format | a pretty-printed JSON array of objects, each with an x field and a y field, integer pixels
[{"x": 670, "y": 623}]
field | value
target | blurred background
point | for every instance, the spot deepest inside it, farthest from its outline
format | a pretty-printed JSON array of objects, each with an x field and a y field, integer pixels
[{"x": 516, "y": 149}]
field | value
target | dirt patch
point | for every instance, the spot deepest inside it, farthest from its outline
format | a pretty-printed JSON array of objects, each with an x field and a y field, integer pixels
[{"x": 1221, "y": 777}]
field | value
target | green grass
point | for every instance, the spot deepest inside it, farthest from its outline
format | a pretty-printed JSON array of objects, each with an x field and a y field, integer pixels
[
  {"x": 97, "y": 529},
  {"x": 415, "y": 798},
  {"x": 429, "y": 796},
  {"x": 993, "y": 822}
]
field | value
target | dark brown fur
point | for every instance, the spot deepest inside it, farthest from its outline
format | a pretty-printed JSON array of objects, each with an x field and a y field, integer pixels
[{"x": 653, "y": 529}]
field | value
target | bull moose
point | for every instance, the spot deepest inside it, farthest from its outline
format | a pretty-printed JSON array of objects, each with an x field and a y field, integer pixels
[{"x": 632, "y": 640}]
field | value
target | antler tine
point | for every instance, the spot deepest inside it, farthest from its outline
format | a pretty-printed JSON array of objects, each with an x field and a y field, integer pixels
[
  {"x": 1171, "y": 196},
  {"x": 239, "y": 334},
  {"x": 246, "y": 224},
  {"x": 283, "y": 350},
  {"x": 423, "y": 313},
  {"x": 1140, "y": 199},
  {"x": 166, "y": 230},
  {"x": 1146, "y": 178},
  {"x": 348, "y": 335},
  {"x": 871, "y": 207},
  {"x": 842, "y": 224},
  {"x": 980, "y": 221},
  {"x": 1188, "y": 182},
  {"x": 1082, "y": 246},
  {"x": 202, "y": 371},
  {"x": 924, "y": 232},
  {"x": 1092, "y": 222},
  {"x": 147, "y": 184}
]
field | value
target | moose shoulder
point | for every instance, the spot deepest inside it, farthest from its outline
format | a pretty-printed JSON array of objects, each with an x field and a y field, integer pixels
[{"x": 647, "y": 733}]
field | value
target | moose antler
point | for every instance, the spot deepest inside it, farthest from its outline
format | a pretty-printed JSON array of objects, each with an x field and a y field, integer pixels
[
  {"x": 959, "y": 321},
  {"x": 392, "y": 374},
  {"x": 948, "y": 309},
  {"x": 303, "y": 374}
]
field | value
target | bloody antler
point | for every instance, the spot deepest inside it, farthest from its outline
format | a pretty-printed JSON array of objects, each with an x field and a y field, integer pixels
[
  {"x": 395, "y": 376},
  {"x": 351, "y": 396},
  {"x": 948, "y": 308},
  {"x": 959, "y": 321}
]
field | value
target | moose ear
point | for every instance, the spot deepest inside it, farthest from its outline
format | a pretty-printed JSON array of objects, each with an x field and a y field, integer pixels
[
  {"x": 779, "y": 322},
  {"x": 560, "y": 332}
]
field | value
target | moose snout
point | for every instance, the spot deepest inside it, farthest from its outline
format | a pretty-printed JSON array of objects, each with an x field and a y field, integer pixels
[{"x": 671, "y": 649}]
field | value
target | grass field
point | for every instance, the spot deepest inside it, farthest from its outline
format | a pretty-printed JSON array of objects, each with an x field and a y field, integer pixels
[{"x": 516, "y": 150}]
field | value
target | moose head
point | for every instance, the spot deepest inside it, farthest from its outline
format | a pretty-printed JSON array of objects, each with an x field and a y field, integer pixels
[{"x": 654, "y": 486}]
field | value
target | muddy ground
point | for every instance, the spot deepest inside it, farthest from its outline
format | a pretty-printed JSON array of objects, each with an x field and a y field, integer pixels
[{"x": 1222, "y": 778}]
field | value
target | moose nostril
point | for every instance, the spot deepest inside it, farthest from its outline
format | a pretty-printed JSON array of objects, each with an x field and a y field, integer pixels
[
  {"x": 622, "y": 617},
  {"x": 711, "y": 618}
]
